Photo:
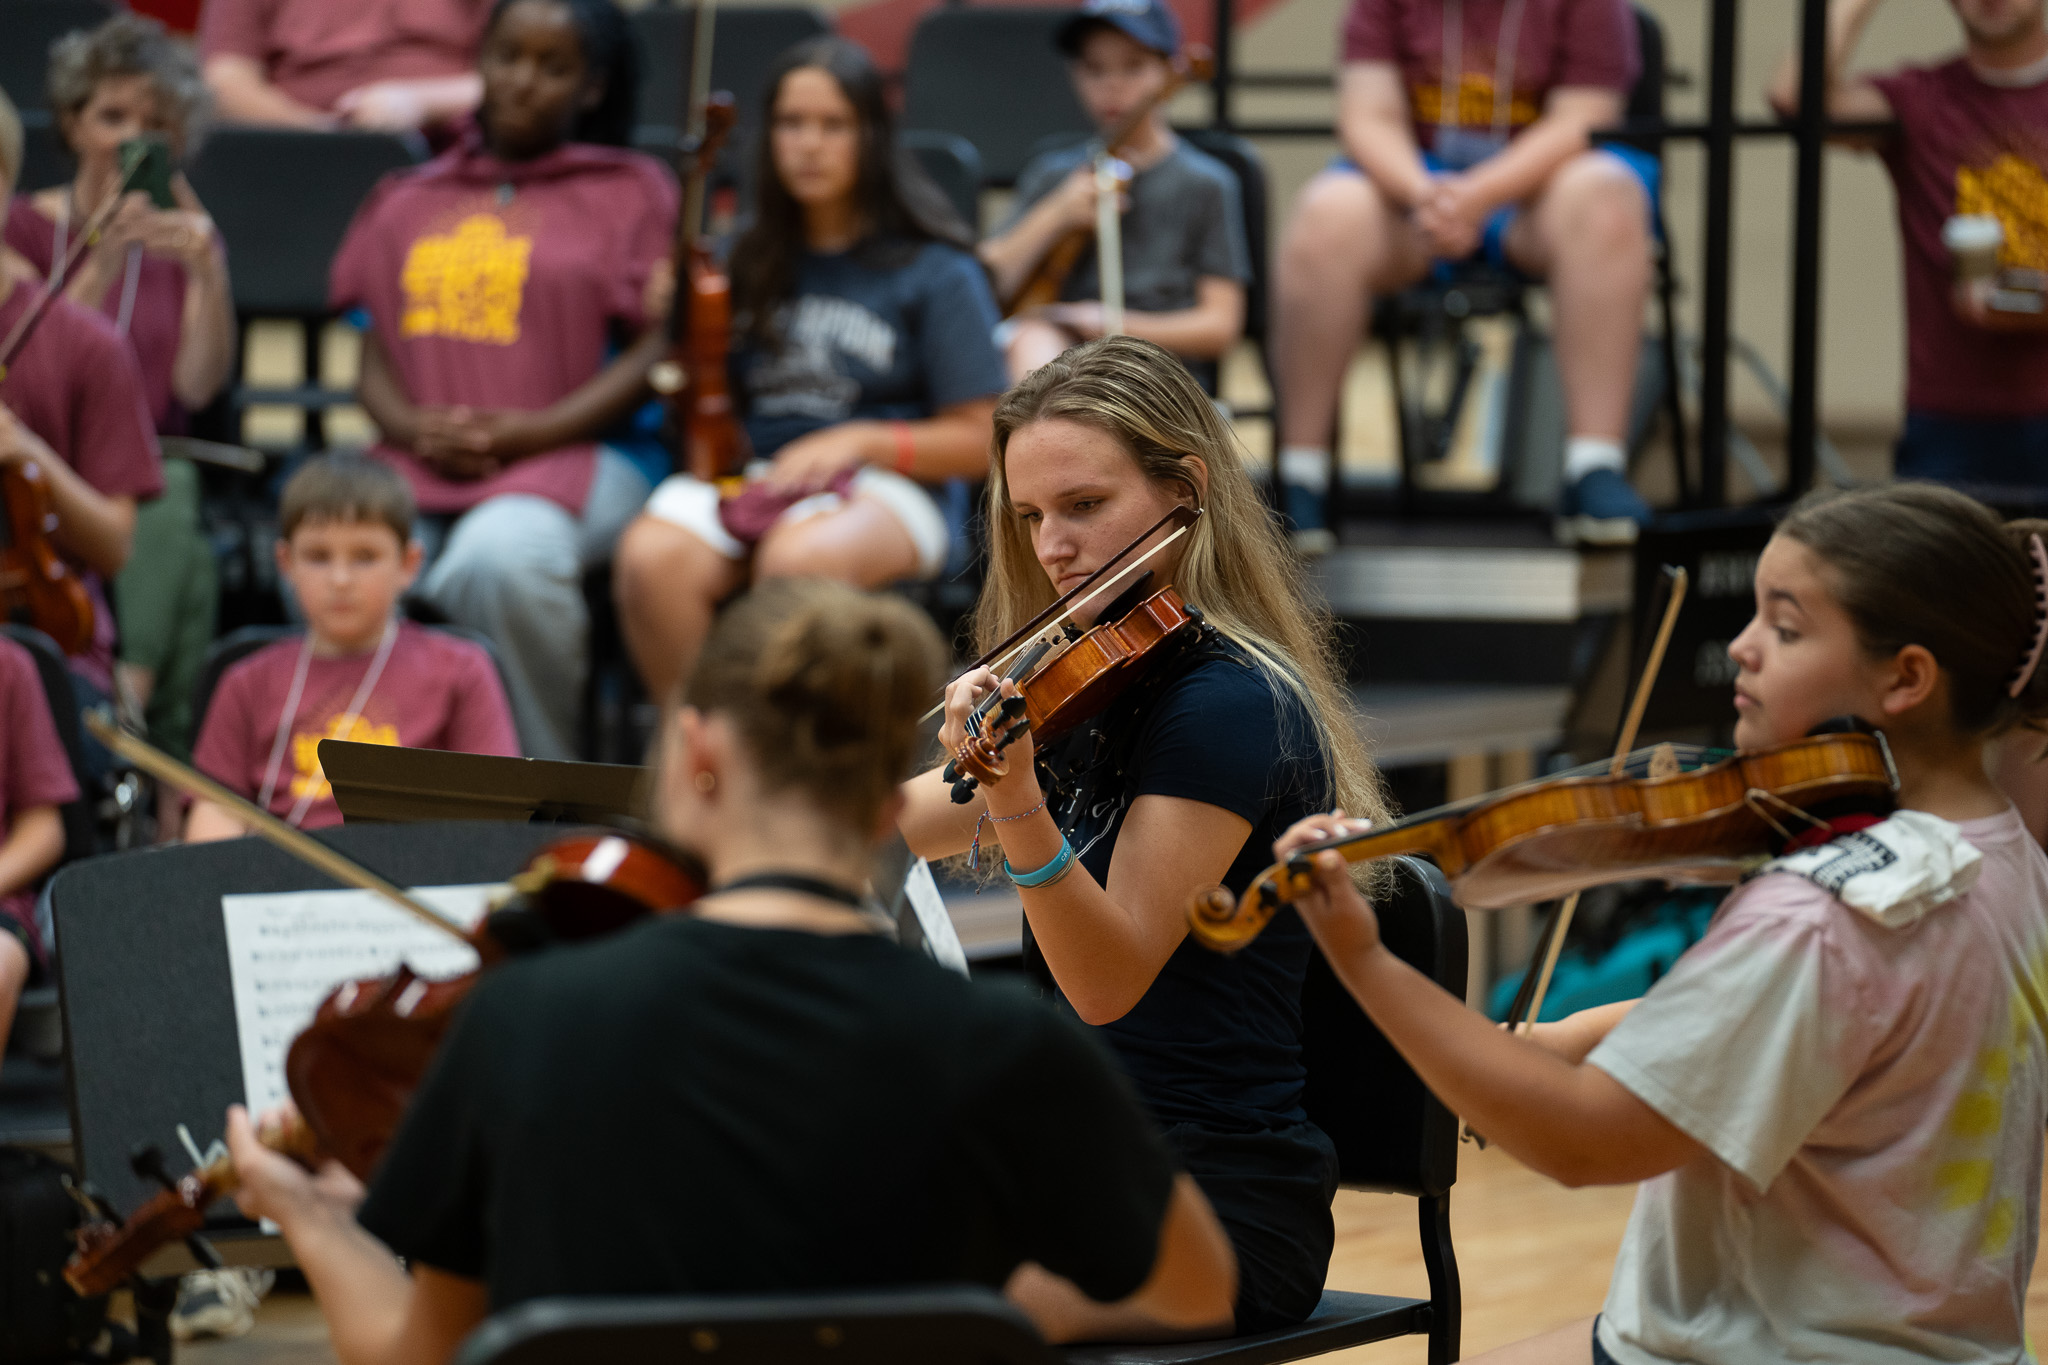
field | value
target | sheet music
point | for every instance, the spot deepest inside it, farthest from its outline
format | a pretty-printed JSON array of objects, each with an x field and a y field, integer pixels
[
  {"x": 940, "y": 938},
  {"x": 287, "y": 950}
]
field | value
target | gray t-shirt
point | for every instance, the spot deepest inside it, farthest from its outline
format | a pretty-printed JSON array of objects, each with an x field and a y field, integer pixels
[{"x": 1185, "y": 221}]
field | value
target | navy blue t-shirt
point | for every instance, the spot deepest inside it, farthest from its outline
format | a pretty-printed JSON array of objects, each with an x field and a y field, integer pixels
[
  {"x": 1216, "y": 1041},
  {"x": 859, "y": 340}
]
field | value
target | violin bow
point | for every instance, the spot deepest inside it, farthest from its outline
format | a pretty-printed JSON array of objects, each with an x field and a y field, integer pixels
[
  {"x": 292, "y": 840},
  {"x": 25, "y": 326},
  {"x": 1561, "y": 922},
  {"x": 1081, "y": 594}
]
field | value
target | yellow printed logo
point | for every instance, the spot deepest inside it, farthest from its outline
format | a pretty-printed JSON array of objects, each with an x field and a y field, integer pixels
[
  {"x": 306, "y": 774},
  {"x": 1475, "y": 103},
  {"x": 466, "y": 284},
  {"x": 2015, "y": 192}
]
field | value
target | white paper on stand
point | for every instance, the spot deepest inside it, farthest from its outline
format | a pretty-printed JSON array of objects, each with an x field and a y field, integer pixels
[
  {"x": 287, "y": 950},
  {"x": 941, "y": 940}
]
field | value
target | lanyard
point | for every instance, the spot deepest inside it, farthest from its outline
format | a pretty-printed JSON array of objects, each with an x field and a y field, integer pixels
[
  {"x": 290, "y": 713},
  {"x": 130, "y": 279},
  {"x": 1503, "y": 65}
]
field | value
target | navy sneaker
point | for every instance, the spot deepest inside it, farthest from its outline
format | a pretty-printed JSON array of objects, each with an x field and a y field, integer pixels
[
  {"x": 1305, "y": 520},
  {"x": 1602, "y": 508}
]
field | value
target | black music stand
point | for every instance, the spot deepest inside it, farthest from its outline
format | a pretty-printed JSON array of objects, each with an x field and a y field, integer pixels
[
  {"x": 383, "y": 783},
  {"x": 142, "y": 969}
]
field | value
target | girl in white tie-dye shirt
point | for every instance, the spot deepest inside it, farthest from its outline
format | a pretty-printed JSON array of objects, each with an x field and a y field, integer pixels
[{"x": 1835, "y": 1101}]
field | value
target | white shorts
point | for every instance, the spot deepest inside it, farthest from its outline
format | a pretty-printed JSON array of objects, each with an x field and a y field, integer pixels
[{"x": 692, "y": 504}]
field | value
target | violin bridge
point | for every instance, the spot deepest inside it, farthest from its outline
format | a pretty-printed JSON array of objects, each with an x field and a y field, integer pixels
[{"x": 1664, "y": 763}]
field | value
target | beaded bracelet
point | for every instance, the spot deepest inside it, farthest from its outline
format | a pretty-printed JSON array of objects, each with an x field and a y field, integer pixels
[
  {"x": 974, "y": 849},
  {"x": 1061, "y": 864}
]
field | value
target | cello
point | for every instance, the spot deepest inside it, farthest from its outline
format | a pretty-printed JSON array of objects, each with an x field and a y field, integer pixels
[
  {"x": 692, "y": 378},
  {"x": 354, "y": 1068}
]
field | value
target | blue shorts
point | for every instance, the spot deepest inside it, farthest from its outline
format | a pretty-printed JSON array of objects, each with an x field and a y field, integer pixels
[
  {"x": 1492, "y": 249},
  {"x": 1974, "y": 452},
  {"x": 1600, "y": 1353}
]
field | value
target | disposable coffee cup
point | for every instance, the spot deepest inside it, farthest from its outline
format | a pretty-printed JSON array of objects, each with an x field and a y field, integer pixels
[{"x": 1974, "y": 240}]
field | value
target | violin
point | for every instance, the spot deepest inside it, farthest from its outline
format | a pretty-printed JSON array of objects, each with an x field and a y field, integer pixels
[
  {"x": 1654, "y": 819},
  {"x": 37, "y": 583},
  {"x": 355, "y": 1067},
  {"x": 1042, "y": 286},
  {"x": 1064, "y": 674},
  {"x": 693, "y": 378}
]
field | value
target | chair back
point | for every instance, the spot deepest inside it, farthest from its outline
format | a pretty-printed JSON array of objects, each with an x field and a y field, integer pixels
[
  {"x": 1390, "y": 1132},
  {"x": 949, "y": 1325},
  {"x": 745, "y": 43},
  {"x": 994, "y": 77},
  {"x": 1244, "y": 162},
  {"x": 81, "y": 835},
  {"x": 282, "y": 200},
  {"x": 1646, "y": 96},
  {"x": 31, "y": 26},
  {"x": 953, "y": 165}
]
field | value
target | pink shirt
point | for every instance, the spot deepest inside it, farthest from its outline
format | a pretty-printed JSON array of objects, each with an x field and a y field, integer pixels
[
  {"x": 316, "y": 51},
  {"x": 494, "y": 284},
  {"x": 436, "y": 692},
  {"x": 156, "y": 313},
  {"x": 1967, "y": 147},
  {"x": 1872, "y": 1101},
  {"x": 34, "y": 770},
  {"x": 76, "y": 384},
  {"x": 1555, "y": 43}
]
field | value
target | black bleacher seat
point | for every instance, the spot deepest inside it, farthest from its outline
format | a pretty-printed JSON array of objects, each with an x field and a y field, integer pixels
[
  {"x": 45, "y": 160},
  {"x": 27, "y": 28},
  {"x": 994, "y": 77},
  {"x": 954, "y": 166},
  {"x": 745, "y": 43}
]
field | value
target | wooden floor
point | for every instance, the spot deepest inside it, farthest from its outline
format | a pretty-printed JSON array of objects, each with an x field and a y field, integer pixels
[{"x": 1532, "y": 1254}]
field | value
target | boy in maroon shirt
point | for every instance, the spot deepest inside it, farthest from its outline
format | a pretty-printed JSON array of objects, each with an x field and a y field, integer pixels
[
  {"x": 1465, "y": 133},
  {"x": 73, "y": 403},
  {"x": 358, "y": 673},
  {"x": 35, "y": 779},
  {"x": 1972, "y": 138}
]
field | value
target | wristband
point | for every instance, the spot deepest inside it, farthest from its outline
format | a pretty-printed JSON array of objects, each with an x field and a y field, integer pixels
[
  {"x": 906, "y": 448},
  {"x": 1047, "y": 875}
]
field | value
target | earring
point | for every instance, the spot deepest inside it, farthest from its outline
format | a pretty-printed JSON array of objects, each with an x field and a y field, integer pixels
[{"x": 707, "y": 782}]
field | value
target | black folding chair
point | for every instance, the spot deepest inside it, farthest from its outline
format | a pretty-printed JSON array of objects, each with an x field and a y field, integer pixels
[
  {"x": 745, "y": 43},
  {"x": 30, "y": 27},
  {"x": 992, "y": 76},
  {"x": 949, "y": 1325},
  {"x": 282, "y": 200},
  {"x": 1392, "y": 1136},
  {"x": 953, "y": 165}
]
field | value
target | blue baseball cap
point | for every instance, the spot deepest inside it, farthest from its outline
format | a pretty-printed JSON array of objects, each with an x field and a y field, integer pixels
[{"x": 1149, "y": 23}]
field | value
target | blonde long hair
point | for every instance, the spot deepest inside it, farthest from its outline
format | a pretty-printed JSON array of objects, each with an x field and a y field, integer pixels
[{"x": 1237, "y": 567}]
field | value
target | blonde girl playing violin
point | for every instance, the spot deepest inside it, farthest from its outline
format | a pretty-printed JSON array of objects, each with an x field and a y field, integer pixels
[
  {"x": 1835, "y": 1101},
  {"x": 1182, "y": 783}
]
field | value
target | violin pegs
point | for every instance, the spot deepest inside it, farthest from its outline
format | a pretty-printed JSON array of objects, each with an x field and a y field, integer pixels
[
  {"x": 147, "y": 1161},
  {"x": 963, "y": 791}
]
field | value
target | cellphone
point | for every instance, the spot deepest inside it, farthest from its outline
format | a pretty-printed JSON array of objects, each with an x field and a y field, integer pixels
[{"x": 146, "y": 166}]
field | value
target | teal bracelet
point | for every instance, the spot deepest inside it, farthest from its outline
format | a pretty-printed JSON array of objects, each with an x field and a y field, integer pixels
[{"x": 1051, "y": 872}]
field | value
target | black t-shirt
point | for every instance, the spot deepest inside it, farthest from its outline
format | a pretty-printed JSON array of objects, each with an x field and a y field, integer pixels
[
  {"x": 1216, "y": 1041},
  {"x": 693, "y": 1107}
]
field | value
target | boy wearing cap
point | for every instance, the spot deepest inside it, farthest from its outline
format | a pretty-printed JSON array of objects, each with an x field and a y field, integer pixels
[
  {"x": 1465, "y": 127},
  {"x": 1184, "y": 257}
]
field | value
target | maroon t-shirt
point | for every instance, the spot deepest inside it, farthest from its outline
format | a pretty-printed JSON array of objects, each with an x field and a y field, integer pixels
[
  {"x": 436, "y": 692},
  {"x": 1555, "y": 43},
  {"x": 496, "y": 284},
  {"x": 1967, "y": 147},
  {"x": 156, "y": 315},
  {"x": 316, "y": 51},
  {"x": 77, "y": 385},
  {"x": 34, "y": 770}
]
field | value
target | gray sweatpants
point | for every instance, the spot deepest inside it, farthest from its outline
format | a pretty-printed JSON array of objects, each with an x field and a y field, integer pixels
[{"x": 512, "y": 567}]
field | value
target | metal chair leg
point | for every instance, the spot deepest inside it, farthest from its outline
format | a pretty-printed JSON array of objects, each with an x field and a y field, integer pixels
[{"x": 1446, "y": 1300}]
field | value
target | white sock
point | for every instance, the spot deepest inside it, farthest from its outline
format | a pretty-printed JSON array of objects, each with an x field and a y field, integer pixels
[
  {"x": 1584, "y": 454},
  {"x": 1305, "y": 467}
]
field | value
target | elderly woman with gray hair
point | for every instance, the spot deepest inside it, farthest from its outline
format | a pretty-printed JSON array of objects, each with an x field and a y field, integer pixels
[{"x": 160, "y": 276}]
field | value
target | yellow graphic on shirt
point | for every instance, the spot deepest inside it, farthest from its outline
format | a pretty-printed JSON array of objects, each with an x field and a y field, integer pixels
[
  {"x": 306, "y": 774},
  {"x": 1475, "y": 103},
  {"x": 1969, "y": 1177},
  {"x": 466, "y": 284},
  {"x": 2015, "y": 192}
]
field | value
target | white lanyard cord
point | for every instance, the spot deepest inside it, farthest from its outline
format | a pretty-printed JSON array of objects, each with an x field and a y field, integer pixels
[
  {"x": 1448, "y": 97},
  {"x": 290, "y": 713},
  {"x": 130, "y": 280}
]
